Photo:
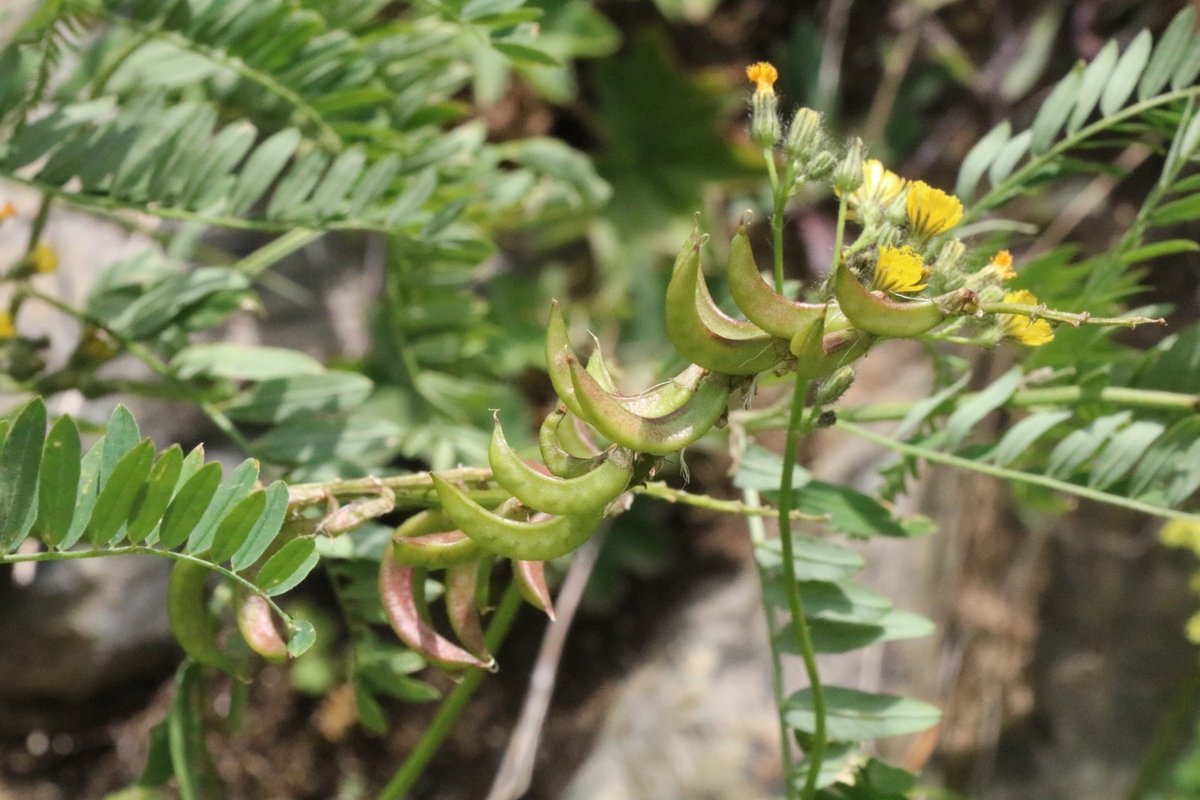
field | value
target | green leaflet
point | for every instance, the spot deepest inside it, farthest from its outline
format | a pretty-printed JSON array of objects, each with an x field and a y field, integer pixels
[
  {"x": 119, "y": 492},
  {"x": 89, "y": 490},
  {"x": 19, "y": 461},
  {"x": 59, "y": 484},
  {"x": 230, "y": 493},
  {"x": 236, "y": 525},
  {"x": 189, "y": 505},
  {"x": 857, "y": 716},
  {"x": 264, "y": 530},
  {"x": 155, "y": 495},
  {"x": 288, "y": 567},
  {"x": 1125, "y": 76}
]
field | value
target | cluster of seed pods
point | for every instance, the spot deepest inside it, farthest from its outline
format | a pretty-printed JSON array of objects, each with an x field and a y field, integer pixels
[{"x": 558, "y": 504}]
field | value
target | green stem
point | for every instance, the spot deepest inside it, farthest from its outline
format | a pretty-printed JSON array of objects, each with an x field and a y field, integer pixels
[
  {"x": 142, "y": 550},
  {"x": 937, "y": 457},
  {"x": 815, "y": 753},
  {"x": 1038, "y": 162},
  {"x": 660, "y": 491},
  {"x": 267, "y": 255},
  {"x": 157, "y": 365},
  {"x": 766, "y": 419},
  {"x": 1041, "y": 312},
  {"x": 439, "y": 728},
  {"x": 326, "y": 136},
  {"x": 779, "y": 193},
  {"x": 758, "y": 537}
]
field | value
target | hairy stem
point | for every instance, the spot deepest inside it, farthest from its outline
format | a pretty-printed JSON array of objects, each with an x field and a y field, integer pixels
[
  {"x": 441, "y": 724},
  {"x": 1042, "y": 312},
  {"x": 758, "y": 536}
]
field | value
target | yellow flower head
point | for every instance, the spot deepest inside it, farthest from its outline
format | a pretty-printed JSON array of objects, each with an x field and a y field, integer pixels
[
  {"x": 7, "y": 329},
  {"x": 900, "y": 270},
  {"x": 7, "y": 210},
  {"x": 1002, "y": 264},
  {"x": 1032, "y": 332},
  {"x": 880, "y": 186},
  {"x": 931, "y": 211},
  {"x": 1181, "y": 533},
  {"x": 763, "y": 74},
  {"x": 44, "y": 259}
]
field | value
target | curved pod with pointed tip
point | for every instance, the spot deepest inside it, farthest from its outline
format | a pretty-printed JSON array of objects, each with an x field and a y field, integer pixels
[
  {"x": 589, "y": 491},
  {"x": 531, "y": 581},
  {"x": 883, "y": 316},
  {"x": 705, "y": 335},
  {"x": 461, "y": 582},
  {"x": 397, "y": 588},
  {"x": 256, "y": 623},
  {"x": 761, "y": 304},
  {"x": 539, "y": 540},
  {"x": 428, "y": 539},
  {"x": 194, "y": 627},
  {"x": 656, "y": 435},
  {"x": 667, "y": 396},
  {"x": 554, "y": 455},
  {"x": 557, "y": 345}
]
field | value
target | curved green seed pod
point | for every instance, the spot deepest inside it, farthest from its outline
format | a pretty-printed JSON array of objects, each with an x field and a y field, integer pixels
[
  {"x": 461, "y": 582},
  {"x": 256, "y": 623},
  {"x": 575, "y": 436},
  {"x": 759, "y": 301},
  {"x": 531, "y": 581},
  {"x": 540, "y": 540},
  {"x": 819, "y": 353},
  {"x": 883, "y": 316},
  {"x": 428, "y": 539},
  {"x": 657, "y": 435},
  {"x": 668, "y": 396},
  {"x": 557, "y": 345},
  {"x": 597, "y": 367},
  {"x": 554, "y": 495},
  {"x": 705, "y": 335},
  {"x": 398, "y": 584},
  {"x": 554, "y": 455},
  {"x": 195, "y": 629}
]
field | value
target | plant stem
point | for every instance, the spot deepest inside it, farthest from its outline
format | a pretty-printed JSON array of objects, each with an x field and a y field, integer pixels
[
  {"x": 1041, "y": 312},
  {"x": 1018, "y": 476},
  {"x": 143, "y": 550},
  {"x": 766, "y": 419},
  {"x": 816, "y": 753},
  {"x": 660, "y": 491},
  {"x": 758, "y": 536},
  {"x": 439, "y": 728}
]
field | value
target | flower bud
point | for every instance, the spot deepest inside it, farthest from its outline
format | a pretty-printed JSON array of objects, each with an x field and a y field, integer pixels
[
  {"x": 949, "y": 258},
  {"x": 833, "y": 387},
  {"x": 848, "y": 175},
  {"x": 764, "y": 119},
  {"x": 805, "y": 139},
  {"x": 821, "y": 166}
]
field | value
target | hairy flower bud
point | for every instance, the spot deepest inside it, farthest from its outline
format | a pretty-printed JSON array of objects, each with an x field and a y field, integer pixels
[
  {"x": 805, "y": 139},
  {"x": 848, "y": 175}
]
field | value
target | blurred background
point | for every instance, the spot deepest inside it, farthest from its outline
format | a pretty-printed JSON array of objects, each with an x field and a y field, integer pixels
[{"x": 1060, "y": 660}]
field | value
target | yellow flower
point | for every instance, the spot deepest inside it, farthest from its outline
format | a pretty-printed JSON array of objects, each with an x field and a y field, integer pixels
[
  {"x": 1002, "y": 264},
  {"x": 880, "y": 186},
  {"x": 7, "y": 329},
  {"x": 931, "y": 211},
  {"x": 1033, "y": 332},
  {"x": 1181, "y": 533},
  {"x": 900, "y": 270},
  {"x": 44, "y": 259},
  {"x": 764, "y": 75},
  {"x": 1193, "y": 628}
]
